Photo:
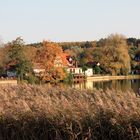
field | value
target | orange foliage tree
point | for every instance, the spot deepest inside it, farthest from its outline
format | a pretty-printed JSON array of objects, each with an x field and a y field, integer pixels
[{"x": 47, "y": 56}]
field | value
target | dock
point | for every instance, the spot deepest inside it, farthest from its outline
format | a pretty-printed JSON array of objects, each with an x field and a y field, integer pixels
[{"x": 79, "y": 78}]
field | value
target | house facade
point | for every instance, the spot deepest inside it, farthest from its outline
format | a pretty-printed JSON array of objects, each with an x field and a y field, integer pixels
[
  {"x": 66, "y": 62},
  {"x": 89, "y": 72},
  {"x": 78, "y": 70},
  {"x": 74, "y": 70},
  {"x": 38, "y": 69}
]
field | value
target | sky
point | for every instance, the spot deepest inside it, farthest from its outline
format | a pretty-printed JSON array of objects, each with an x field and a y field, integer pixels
[{"x": 68, "y": 20}]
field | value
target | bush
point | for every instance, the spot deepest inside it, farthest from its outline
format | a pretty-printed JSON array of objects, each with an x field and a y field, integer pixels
[
  {"x": 97, "y": 70},
  {"x": 33, "y": 79}
]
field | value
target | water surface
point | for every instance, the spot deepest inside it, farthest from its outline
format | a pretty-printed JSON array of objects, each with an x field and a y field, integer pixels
[{"x": 124, "y": 85}]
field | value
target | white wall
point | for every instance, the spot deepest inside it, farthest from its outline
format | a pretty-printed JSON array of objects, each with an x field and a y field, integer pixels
[
  {"x": 38, "y": 70},
  {"x": 75, "y": 70},
  {"x": 88, "y": 72}
]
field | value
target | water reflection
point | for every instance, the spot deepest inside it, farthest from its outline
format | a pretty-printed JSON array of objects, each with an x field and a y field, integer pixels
[{"x": 123, "y": 85}]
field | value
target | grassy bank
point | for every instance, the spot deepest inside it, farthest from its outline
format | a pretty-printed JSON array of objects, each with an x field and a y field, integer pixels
[{"x": 41, "y": 113}]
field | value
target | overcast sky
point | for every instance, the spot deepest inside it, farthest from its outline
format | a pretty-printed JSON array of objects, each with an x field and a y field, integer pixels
[{"x": 68, "y": 20}]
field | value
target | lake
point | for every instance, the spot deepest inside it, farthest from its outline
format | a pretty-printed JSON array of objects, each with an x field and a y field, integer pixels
[{"x": 123, "y": 85}]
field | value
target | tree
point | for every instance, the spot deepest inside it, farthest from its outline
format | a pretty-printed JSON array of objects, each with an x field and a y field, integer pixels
[
  {"x": 17, "y": 60},
  {"x": 97, "y": 69},
  {"x": 84, "y": 68},
  {"x": 97, "y": 54},
  {"x": 1, "y": 42},
  {"x": 86, "y": 45},
  {"x": 47, "y": 56},
  {"x": 3, "y": 58},
  {"x": 115, "y": 57}
]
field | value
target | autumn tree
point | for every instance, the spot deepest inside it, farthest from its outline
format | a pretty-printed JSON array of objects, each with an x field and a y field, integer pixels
[
  {"x": 86, "y": 57},
  {"x": 47, "y": 56},
  {"x": 116, "y": 58},
  {"x": 30, "y": 52},
  {"x": 3, "y": 56}
]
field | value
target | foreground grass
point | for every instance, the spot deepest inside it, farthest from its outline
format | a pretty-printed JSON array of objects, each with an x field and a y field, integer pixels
[{"x": 55, "y": 113}]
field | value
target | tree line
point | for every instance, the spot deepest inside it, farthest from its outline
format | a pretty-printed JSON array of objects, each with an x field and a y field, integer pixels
[{"x": 114, "y": 55}]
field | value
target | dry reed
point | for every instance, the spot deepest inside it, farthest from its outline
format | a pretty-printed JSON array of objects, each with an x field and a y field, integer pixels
[{"x": 55, "y": 113}]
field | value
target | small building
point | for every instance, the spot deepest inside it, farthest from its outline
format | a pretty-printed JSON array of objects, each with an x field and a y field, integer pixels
[
  {"x": 89, "y": 72},
  {"x": 38, "y": 69},
  {"x": 11, "y": 73},
  {"x": 62, "y": 61},
  {"x": 58, "y": 62}
]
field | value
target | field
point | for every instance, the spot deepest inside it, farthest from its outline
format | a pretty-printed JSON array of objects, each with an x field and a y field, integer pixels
[{"x": 56, "y": 113}]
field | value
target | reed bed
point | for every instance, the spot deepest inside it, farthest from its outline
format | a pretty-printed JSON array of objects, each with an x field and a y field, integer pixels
[{"x": 30, "y": 112}]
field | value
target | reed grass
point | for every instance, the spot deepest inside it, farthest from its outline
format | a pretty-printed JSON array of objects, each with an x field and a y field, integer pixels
[{"x": 30, "y": 112}]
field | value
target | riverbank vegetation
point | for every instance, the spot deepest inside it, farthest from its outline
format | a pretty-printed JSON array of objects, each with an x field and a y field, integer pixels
[
  {"x": 114, "y": 55},
  {"x": 45, "y": 112},
  {"x": 109, "y": 52}
]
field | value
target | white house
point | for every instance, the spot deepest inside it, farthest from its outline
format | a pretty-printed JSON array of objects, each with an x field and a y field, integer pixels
[
  {"x": 89, "y": 72},
  {"x": 75, "y": 70},
  {"x": 78, "y": 70},
  {"x": 38, "y": 69}
]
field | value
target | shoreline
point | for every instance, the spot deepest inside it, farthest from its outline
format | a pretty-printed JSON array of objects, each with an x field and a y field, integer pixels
[
  {"x": 8, "y": 81},
  {"x": 91, "y": 78},
  {"x": 108, "y": 78}
]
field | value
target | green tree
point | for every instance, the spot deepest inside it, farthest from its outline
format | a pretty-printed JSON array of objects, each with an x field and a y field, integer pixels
[
  {"x": 84, "y": 68},
  {"x": 16, "y": 58},
  {"x": 97, "y": 70}
]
